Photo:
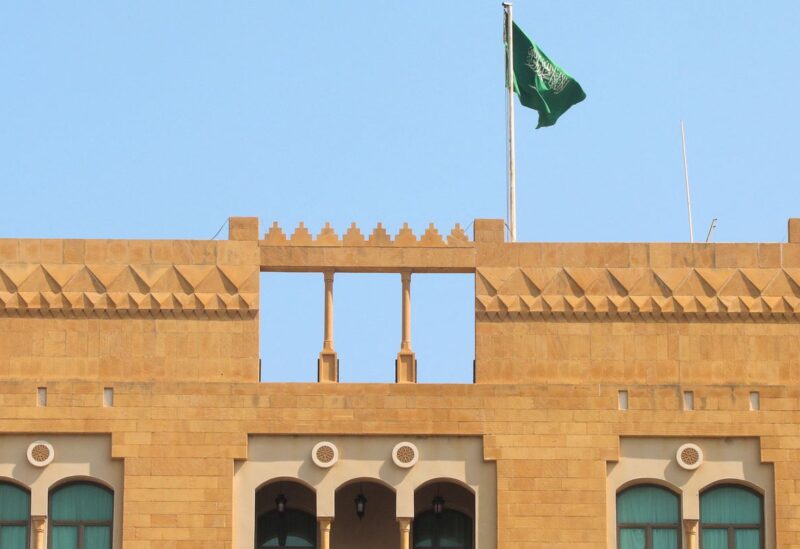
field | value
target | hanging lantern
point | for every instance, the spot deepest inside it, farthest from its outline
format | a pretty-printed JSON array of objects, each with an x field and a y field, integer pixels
[
  {"x": 361, "y": 505},
  {"x": 438, "y": 506},
  {"x": 280, "y": 503}
]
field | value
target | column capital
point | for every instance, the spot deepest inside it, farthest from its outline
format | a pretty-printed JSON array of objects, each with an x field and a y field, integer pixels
[
  {"x": 328, "y": 275},
  {"x": 405, "y": 523},
  {"x": 690, "y": 526},
  {"x": 325, "y": 522},
  {"x": 38, "y": 523}
]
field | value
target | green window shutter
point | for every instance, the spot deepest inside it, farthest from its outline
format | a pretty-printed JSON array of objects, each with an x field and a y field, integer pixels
[
  {"x": 730, "y": 505},
  {"x": 64, "y": 537},
  {"x": 647, "y": 504},
  {"x": 97, "y": 537},
  {"x": 13, "y": 537},
  {"x": 15, "y": 503},
  {"x": 665, "y": 538},
  {"x": 81, "y": 502},
  {"x": 748, "y": 539},
  {"x": 15, "y": 507},
  {"x": 632, "y": 538}
]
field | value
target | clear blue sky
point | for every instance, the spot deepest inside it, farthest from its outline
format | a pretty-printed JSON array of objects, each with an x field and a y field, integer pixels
[{"x": 161, "y": 119}]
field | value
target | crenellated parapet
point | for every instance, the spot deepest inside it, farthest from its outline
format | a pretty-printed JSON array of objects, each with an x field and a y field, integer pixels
[{"x": 379, "y": 237}]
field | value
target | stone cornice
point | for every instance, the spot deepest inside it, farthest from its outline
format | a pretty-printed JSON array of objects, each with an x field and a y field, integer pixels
[
  {"x": 757, "y": 293},
  {"x": 142, "y": 290}
]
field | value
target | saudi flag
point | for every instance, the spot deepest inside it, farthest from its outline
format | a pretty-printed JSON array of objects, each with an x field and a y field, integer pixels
[{"x": 540, "y": 83}]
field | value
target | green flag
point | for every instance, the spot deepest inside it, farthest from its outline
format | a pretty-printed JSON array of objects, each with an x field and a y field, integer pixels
[{"x": 540, "y": 83}]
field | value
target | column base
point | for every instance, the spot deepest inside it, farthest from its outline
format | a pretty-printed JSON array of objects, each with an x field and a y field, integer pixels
[
  {"x": 406, "y": 367},
  {"x": 328, "y": 367}
]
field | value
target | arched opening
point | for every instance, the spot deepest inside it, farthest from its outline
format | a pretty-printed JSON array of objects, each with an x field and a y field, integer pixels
[
  {"x": 366, "y": 517},
  {"x": 731, "y": 517},
  {"x": 286, "y": 515},
  {"x": 15, "y": 515},
  {"x": 648, "y": 516},
  {"x": 444, "y": 516},
  {"x": 81, "y": 516}
]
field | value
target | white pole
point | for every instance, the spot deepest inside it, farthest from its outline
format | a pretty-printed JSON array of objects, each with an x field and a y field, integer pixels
[
  {"x": 686, "y": 178},
  {"x": 512, "y": 174}
]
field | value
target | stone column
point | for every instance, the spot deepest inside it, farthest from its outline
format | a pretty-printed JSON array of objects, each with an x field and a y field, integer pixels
[
  {"x": 324, "y": 532},
  {"x": 39, "y": 525},
  {"x": 328, "y": 363},
  {"x": 406, "y": 368},
  {"x": 405, "y": 532},
  {"x": 690, "y": 529}
]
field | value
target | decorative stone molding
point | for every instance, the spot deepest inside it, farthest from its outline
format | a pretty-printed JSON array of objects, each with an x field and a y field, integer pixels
[
  {"x": 354, "y": 237},
  {"x": 405, "y": 454},
  {"x": 128, "y": 290},
  {"x": 325, "y": 454},
  {"x": 40, "y": 453},
  {"x": 689, "y": 456},
  {"x": 530, "y": 292}
]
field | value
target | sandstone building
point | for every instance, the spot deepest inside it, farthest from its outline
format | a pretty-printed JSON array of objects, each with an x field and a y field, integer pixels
[{"x": 640, "y": 396}]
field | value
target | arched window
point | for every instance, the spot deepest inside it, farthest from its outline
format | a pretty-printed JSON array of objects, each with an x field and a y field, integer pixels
[
  {"x": 731, "y": 517},
  {"x": 648, "y": 517},
  {"x": 15, "y": 514},
  {"x": 451, "y": 529},
  {"x": 292, "y": 529},
  {"x": 81, "y": 516}
]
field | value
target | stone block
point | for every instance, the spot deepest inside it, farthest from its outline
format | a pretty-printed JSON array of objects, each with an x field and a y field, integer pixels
[{"x": 243, "y": 228}]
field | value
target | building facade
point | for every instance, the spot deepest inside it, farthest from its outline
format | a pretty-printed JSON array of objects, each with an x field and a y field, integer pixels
[{"x": 640, "y": 396}]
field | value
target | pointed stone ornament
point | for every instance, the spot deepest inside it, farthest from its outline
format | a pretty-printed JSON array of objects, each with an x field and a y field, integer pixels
[
  {"x": 62, "y": 273},
  {"x": 353, "y": 236},
  {"x": 457, "y": 236},
  {"x": 431, "y": 237},
  {"x": 39, "y": 280},
  {"x": 781, "y": 285},
  {"x": 739, "y": 284},
  {"x": 517, "y": 283},
  {"x": 172, "y": 281},
  {"x": 328, "y": 236},
  {"x": 380, "y": 237},
  {"x": 491, "y": 279},
  {"x": 563, "y": 284},
  {"x": 301, "y": 235},
  {"x": 216, "y": 282},
  {"x": 606, "y": 284},
  {"x": 6, "y": 284},
  {"x": 84, "y": 281},
  {"x": 275, "y": 235},
  {"x": 694, "y": 284},
  {"x": 405, "y": 236},
  {"x": 650, "y": 284}
]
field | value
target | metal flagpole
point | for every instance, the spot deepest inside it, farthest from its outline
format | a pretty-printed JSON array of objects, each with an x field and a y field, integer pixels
[
  {"x": 512, "y": 175},
  {"x": 686, "y": 178}
]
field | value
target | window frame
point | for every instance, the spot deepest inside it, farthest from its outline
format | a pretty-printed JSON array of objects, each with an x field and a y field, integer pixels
[
  {"x": 731, "y": 528},
  {"x": 470, "y": 538},
  {"x": 80, "y": 525},
  {"x": 648, "y": 527},
  {"x": 25, "y": 523},
  {"x": 288, "y": 510}
]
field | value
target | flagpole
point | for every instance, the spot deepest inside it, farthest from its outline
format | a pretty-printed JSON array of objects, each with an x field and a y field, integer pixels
[
  {"x": 686, "y": 179},
  {"x": 511, "y": 175}
]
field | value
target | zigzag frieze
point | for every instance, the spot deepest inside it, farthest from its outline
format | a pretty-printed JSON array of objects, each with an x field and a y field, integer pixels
[
  {"x": 141, "y": 290},
  {"x": 354, "y": 237},
  {"x": 757, "y": 293}
]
